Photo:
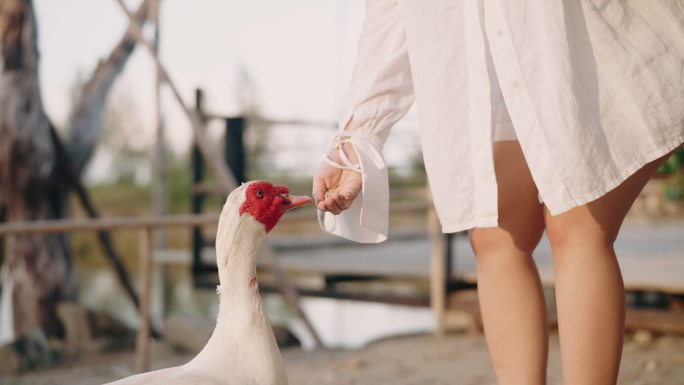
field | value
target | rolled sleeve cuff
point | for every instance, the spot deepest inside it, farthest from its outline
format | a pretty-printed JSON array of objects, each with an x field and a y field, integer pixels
[{"x": 366, "y": 220}]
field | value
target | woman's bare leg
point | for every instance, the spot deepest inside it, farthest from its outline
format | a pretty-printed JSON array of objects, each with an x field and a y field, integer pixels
[
  {"x": 510, "y": 292},
  {"x": 589, "y": 288}
]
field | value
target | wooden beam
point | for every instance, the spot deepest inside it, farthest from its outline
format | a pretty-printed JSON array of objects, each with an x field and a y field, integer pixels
[
  {"x": 217, "y": 166},
  {"x": 142, "y": 343},
  {"x": 65, "y": 169},
  {"x": 660, "y": 321},
  {"x": 416, "y": 300},
  {"x": 437, "y": 273},
  {"x": 70, "y": 225},
  {"x": 289, "y": 292},
  {"x": 159, "y": 193},
  {"x": 220, "y": 169}
]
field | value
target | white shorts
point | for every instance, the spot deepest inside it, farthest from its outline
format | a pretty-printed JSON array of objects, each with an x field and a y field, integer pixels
[{"x": 501, "y": 121}]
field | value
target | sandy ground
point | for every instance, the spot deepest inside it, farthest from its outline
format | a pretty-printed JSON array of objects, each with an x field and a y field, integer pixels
[{"x": 411, "y": 360}]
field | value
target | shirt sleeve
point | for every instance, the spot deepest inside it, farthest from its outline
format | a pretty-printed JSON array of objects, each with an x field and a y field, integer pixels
[{"x": 380, "y": 93}]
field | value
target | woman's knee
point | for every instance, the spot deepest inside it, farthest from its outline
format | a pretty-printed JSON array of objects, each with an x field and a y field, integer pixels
[
  {"x": 578, "y": 231},
  {"x": 597, "y": 223},
  {"x": 498, "y": 241},
  {"x": 521, "y": 219}
]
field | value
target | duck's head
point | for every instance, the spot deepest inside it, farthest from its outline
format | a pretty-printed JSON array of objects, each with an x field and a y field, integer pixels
[
  {"x": 253, "y": 209},
  {"x": 267, "y": 203},
  {"x": 250, "y": 212}
]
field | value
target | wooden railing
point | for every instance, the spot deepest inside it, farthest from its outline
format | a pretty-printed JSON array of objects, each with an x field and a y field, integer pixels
[
  {"x": 71, "y": 225},
  {"x": 147, "y": 226}
]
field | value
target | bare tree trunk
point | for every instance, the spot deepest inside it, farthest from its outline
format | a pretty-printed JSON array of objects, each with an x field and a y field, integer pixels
[
  {"x": 31, "y": 186},
  {"x": 86, "y": 126},
  {"x": 41, "y": 266}
]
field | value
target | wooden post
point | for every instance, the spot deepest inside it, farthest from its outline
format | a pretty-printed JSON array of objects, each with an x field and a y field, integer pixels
[
  {"x": 235, "y": 148},
  {"x": 6, "y": 306},
  {"x": 290, "y": 294},
  {"x": 437, "y": 272},
  {"x": 159, "y": 179},
  {"x": 197, "y": 198},
  {"x": 146, "y": 244}
]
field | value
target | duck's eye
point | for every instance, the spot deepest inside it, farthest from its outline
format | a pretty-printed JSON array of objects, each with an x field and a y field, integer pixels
[{"x": 260, "y": 193}]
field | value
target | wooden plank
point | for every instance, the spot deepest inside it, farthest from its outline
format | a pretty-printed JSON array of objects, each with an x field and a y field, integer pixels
[
  {"x": 651, "y": 265},
  {"x": 103, "y": 223},
  {"x": 661, "y": 321},
  {"x": 217, "y": 166},
  {"x": 70, "y": 225},
  {"x": 437, "y": 273},
  {"x": 289, "y": 292},
  {"x": 417, "y": 300},
  {"x": 142, "y": 345},
  {"x": 159, "y": 191}
]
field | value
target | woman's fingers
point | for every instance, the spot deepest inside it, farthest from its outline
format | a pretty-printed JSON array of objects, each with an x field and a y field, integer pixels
[
  {"x": 334, "y": 190},
  {"x": 338, "y": 203},
  {"x": 329, "y": 205},
  {"x": 335, "y": 203},
  {"x": 319, "y": 189},
  {"x": 336, "y": 208},
  {"x": 342, "y": 201},
  {"x": 350, "y": 190}
]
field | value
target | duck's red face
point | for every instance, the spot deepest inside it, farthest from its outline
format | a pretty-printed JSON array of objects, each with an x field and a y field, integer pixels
[{"x": 267, "y": 203}]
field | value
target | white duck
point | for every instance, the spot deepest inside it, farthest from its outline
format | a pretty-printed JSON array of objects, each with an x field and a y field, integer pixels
[{"x": 242, "y": 349}]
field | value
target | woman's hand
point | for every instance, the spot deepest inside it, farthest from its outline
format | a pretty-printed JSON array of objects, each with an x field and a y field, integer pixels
[{"x": 334, "y": 189}]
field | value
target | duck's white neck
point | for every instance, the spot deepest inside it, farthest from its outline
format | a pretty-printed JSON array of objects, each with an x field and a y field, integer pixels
[
  {"x": 243, "y": 340},
  {"x": 237, "y": 249},
  {"x": 238, "y": 244}
]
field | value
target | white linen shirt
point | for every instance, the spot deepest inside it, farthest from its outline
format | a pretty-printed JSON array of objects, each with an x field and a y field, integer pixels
[{"x": 594, "y": 89}]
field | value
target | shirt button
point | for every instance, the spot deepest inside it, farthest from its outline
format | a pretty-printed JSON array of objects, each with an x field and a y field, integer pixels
[
  {"x": 498, "y": 32},
  {"x": 515, "y": 84}
]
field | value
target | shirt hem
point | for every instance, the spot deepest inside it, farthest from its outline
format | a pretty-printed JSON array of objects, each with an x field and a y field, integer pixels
[
  {"x": 615, "y": 182},
  {"x": 492, "y": 221}
]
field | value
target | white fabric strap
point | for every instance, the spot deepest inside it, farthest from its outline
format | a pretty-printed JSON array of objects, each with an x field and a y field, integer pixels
[
  {"x": 347, "y": 164},
  {"x": 361, "y": 143},
  {"x": 366, "y": 219}
]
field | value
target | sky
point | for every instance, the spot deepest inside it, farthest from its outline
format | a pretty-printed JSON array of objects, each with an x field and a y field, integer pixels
[{"x": 298, "y": 53}]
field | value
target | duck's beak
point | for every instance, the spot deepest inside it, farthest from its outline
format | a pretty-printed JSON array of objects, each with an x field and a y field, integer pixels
[{"x": 294, "y": 201}]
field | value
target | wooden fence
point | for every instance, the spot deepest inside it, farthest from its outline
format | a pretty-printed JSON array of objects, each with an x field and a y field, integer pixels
[{"x": 148, "y": 225}]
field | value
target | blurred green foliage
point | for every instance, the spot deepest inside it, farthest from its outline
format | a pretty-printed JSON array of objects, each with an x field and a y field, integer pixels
[
  {"x": 673, "y": 171},
  {"x": 674, "y": 163}
]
